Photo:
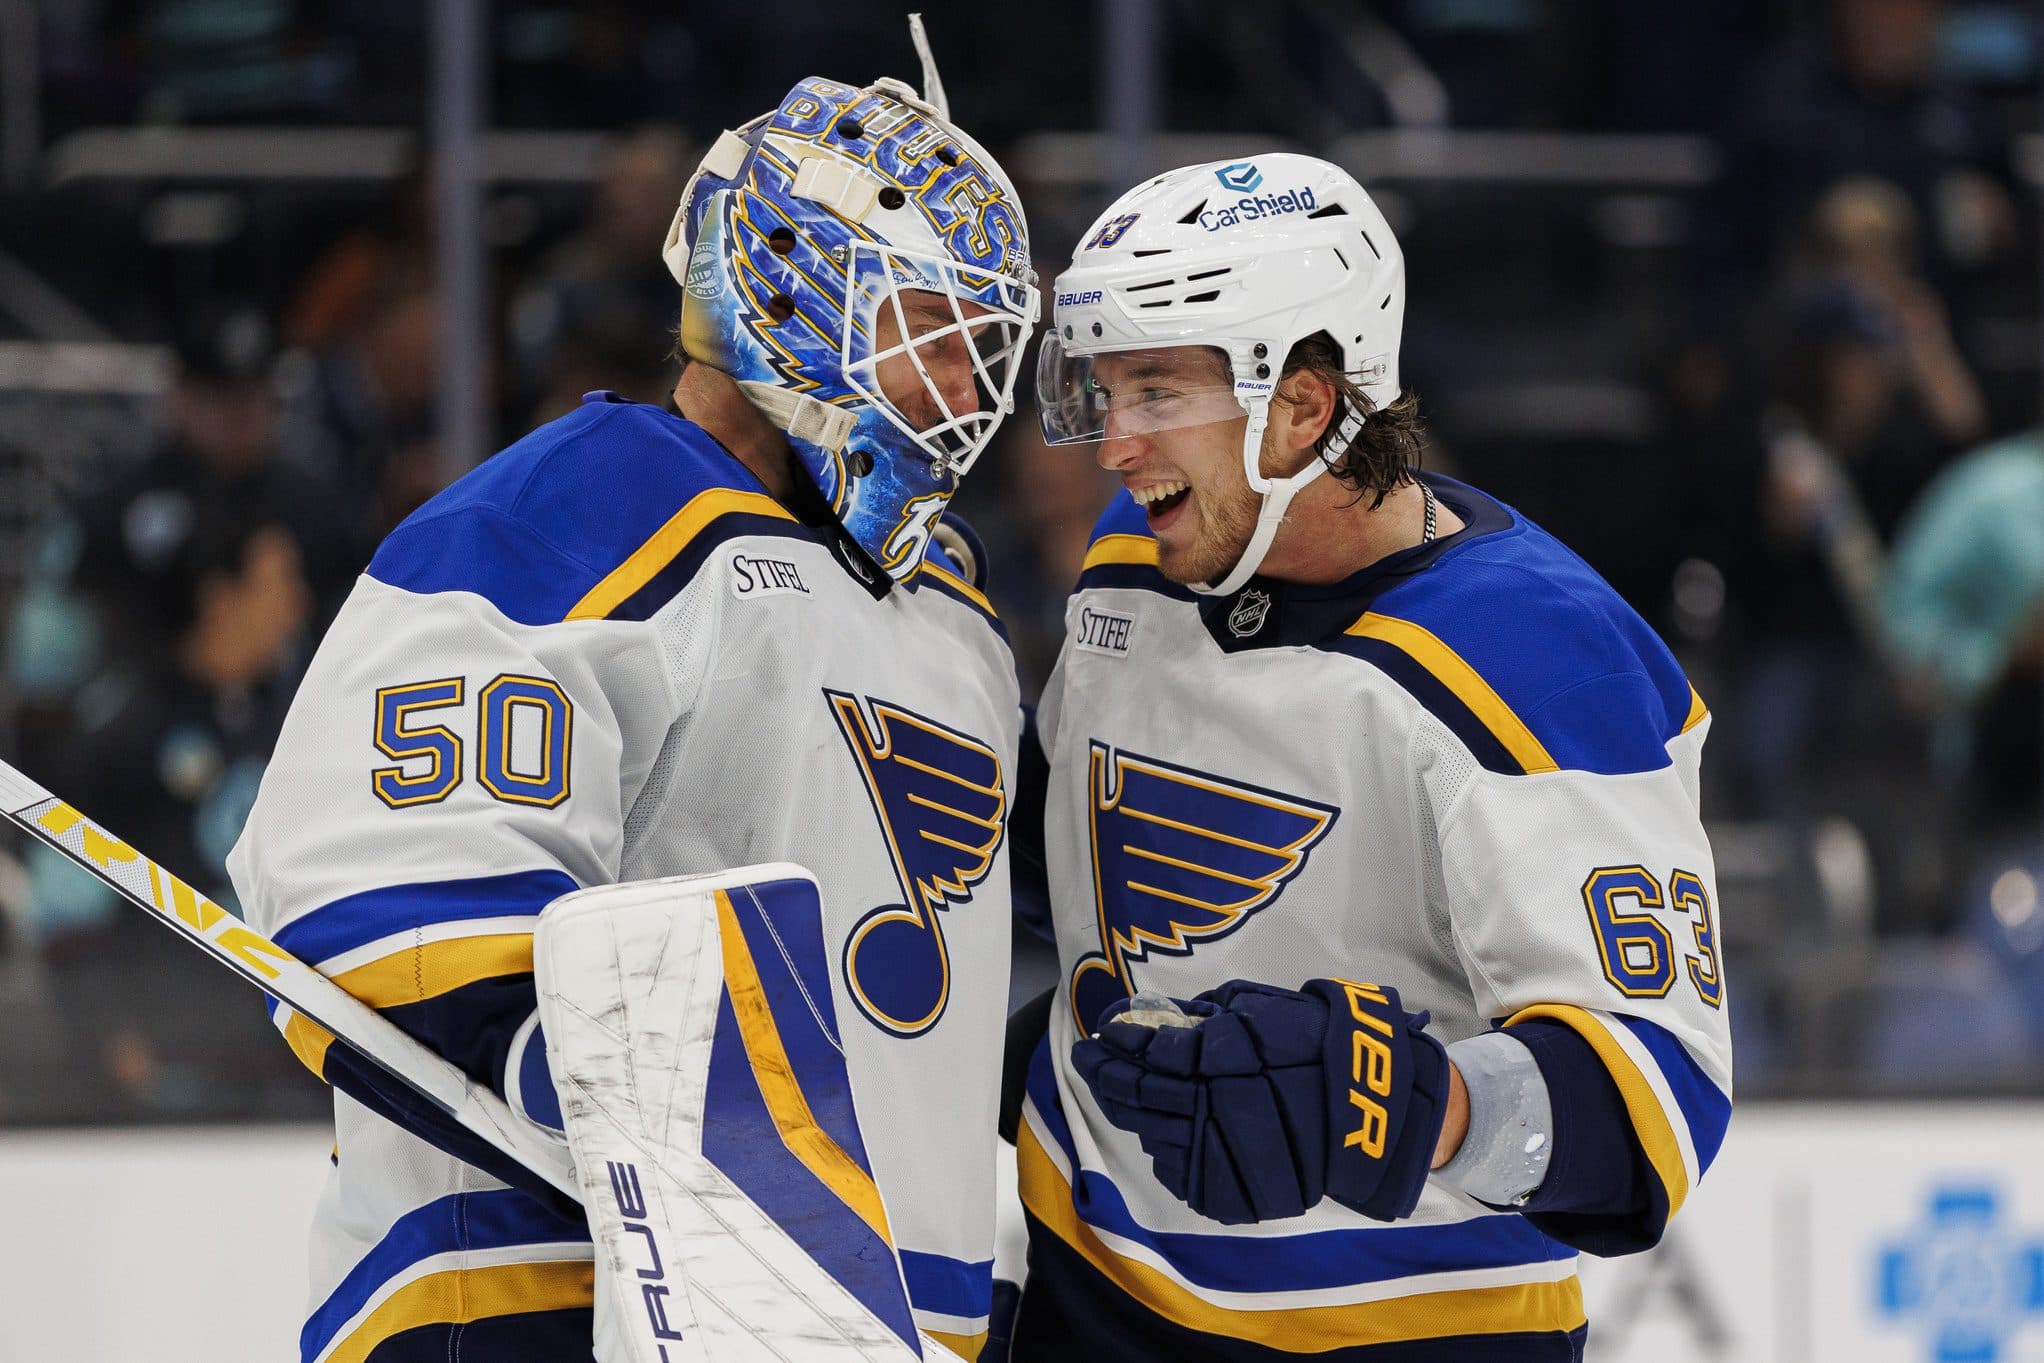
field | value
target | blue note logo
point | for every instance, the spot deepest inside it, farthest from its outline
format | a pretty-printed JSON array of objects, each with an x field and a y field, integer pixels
[
  {"x": 1964, "y": 1276},
  {"x": 1242, "y": 177},
  {"x": 1180, "y": 858},
  {"x": 941, "y": 803}
]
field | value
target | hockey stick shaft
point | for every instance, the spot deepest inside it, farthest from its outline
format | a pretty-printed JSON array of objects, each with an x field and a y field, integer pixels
[
  {"x": 315, "y": 998},
  {"x": 275, "y": 971}
]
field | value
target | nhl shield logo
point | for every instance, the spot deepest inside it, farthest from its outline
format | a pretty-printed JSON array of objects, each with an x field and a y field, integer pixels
[{"x": 1249, "y": 613}]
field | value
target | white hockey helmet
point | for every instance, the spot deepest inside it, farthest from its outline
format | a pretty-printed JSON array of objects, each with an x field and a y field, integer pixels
[{"x": 1250, "y": 258}]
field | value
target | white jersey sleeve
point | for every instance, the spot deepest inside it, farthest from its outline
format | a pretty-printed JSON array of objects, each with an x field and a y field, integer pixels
[
  {"x": 1588, "y": 898},
  {"x": 459, "y": 755}
]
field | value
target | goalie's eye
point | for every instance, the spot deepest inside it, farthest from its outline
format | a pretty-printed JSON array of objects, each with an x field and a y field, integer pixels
[{"x": 989, "y": 336}]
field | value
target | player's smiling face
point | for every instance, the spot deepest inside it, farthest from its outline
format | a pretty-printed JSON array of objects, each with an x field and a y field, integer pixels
[{"x": 1174, "y": 435}]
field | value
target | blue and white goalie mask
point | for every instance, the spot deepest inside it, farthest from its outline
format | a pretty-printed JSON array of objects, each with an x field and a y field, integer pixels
[{"x": 861, "y": 267}]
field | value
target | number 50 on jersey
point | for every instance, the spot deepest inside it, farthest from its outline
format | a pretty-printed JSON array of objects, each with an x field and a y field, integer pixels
[{"x": 524, "y": 735}]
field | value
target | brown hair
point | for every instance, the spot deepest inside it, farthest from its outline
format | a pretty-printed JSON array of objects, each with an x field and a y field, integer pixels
[{"x": 1392, "y": 439}]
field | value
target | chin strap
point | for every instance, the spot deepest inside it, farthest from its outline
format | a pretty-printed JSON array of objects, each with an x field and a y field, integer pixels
[
  {"x": 1277, "y": 496},
  {"x": 1277, "y": 493},
  {"x": 801, "y": 416},
  {"x": 1275, "y": 501}
]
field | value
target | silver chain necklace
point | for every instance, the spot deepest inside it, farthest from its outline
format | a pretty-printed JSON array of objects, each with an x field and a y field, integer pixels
[{"x": 1428, "y": 493}]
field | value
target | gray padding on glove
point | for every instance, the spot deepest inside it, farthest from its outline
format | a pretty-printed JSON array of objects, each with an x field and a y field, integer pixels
[{"x": 1511, "y": 1124}]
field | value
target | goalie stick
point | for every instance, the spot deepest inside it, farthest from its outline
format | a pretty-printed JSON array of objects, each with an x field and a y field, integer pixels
[
  {"x": 337, "y": 1017},
  {"x": 318, "y": 1001}
]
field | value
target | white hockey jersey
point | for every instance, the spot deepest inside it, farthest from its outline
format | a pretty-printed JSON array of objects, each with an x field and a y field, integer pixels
[
  {"x": 1469, "y": 772},
  {"x": 608, "y": 655}
]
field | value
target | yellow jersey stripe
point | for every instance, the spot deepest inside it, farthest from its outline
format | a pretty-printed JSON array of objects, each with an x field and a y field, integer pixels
[
  {"x": 309, "y": 1041},
  {"x": 666, "y": 545},
  {"x": 1556, "y": 1306},
  {"x": 1425, "y": 648},
  {"x": 429, "y": 969},
  {"x": 1121, "y": 549},
  {"x": 965, "y": 1346},
  {"x": 806, "y": 1140},
  {"x": 461, "y": 1295},
  {"x": 959, "y": 585},
  {"x": 1649, "y": 1119},
  {"x": 1697, "y": 712}
]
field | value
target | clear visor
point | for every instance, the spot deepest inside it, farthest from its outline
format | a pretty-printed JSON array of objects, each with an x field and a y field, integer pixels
[
  {"x": 936, "y": 346},
  {"x": 1127, "y": 393}
]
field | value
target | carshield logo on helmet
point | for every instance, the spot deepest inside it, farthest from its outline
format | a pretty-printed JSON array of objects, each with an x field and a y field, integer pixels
[
  {"x": 1242, "y": 177},
  {"x": 1258, "y": 207}
]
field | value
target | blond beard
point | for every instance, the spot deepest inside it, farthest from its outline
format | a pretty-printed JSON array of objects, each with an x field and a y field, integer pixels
[{"x": 1221, "y": 532}]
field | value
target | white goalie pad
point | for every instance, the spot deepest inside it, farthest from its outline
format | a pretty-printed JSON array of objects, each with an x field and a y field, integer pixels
[{"x": 694, "y": 1047}]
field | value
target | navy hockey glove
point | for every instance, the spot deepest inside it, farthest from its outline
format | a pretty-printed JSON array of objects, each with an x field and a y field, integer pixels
[{"x": 1277, "y": 1098}]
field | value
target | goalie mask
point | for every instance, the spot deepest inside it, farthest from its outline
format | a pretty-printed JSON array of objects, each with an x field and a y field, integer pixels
[
  {"x": 1247, "y": 258},
  {"x": 861, "y": 267}
]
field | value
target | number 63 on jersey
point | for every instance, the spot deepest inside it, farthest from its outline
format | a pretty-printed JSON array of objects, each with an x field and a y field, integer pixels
[{"x": 1627, "y": 906}]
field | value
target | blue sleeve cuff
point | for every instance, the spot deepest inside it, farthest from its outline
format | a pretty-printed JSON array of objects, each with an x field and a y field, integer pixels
[
  {"x": 370, "y": 1085},
  {"x": 1599, "y": 1195}
]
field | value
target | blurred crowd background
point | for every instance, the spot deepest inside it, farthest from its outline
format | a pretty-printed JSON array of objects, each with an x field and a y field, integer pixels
[{"x": 1741, "y": 299}]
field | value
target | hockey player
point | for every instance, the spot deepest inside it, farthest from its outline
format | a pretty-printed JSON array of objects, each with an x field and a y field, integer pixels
[
  {"x": 642, "y": 643},
  {"x": 1371, "y": 740}
]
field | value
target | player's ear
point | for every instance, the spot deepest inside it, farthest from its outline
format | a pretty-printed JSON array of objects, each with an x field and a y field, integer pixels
[{"x": 1300, "y": 411}]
